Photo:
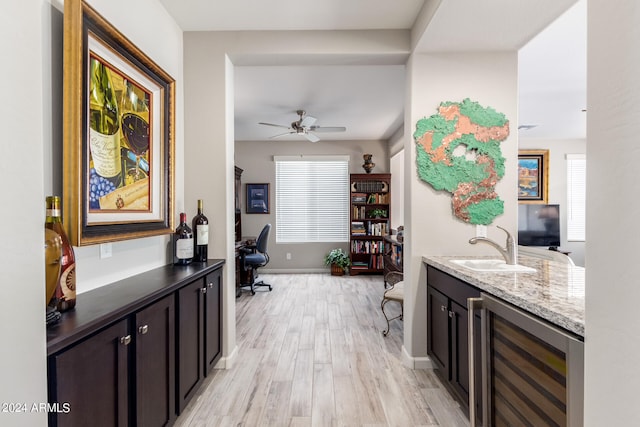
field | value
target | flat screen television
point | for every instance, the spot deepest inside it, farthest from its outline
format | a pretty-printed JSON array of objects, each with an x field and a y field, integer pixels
[{"x": 539, "y": 225}]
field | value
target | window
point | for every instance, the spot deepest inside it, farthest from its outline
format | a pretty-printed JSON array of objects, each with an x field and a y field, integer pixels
[
  {"x": 312, "y": 199},
  {"x": 576, "y": 196}
]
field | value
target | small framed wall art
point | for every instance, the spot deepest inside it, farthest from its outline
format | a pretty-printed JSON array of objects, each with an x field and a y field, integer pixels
[
  {"x": 533, "y": 176},
  {"x": 257, "y": 198}
]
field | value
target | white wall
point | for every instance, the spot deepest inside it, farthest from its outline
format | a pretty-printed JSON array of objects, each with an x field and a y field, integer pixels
[
  {"x": 612, "y": 325},
  {"x": 24, "y": 84},
  {"x": 430, "y": 228},
  {"x": 396, "y": 167},
  {"x": 31, "y": 168},
  {"x": 558, "y": 149}
]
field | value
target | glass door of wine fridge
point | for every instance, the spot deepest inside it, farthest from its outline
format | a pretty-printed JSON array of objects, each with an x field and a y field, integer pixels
[{"x": 532, "y": 371}]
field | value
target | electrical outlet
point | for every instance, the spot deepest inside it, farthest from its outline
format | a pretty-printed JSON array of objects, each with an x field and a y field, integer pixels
[
  {"x": 288, "y": 256},
  {"x": 105, "y": 250},
  {"x": 481, "y": 230}
]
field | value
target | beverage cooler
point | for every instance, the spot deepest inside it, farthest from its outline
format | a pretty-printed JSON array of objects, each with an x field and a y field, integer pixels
[{"x": 532, "y": 371}]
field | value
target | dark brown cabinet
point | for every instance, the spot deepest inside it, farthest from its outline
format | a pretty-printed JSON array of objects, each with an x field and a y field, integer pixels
[
  {"x": 126, "y": 371},
  {"x": 92, "y": 377},
  {"x": 155, "y": 364},
  {"x": 198, "y": 339},
  {"x": 448, "y": 332},
  {"x": 116, "y": 359}
]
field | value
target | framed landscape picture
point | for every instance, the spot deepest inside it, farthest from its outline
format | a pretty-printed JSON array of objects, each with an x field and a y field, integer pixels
[{"x": 533, "y": 176}]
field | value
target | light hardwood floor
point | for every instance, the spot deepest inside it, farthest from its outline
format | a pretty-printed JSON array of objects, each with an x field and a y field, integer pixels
[{"x": 311, "y": 353}]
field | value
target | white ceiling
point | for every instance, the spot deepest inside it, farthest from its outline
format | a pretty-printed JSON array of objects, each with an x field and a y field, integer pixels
[{"x": 369, "y": 100}]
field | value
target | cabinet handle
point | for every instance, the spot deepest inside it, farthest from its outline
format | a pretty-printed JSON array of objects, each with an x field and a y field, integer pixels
[
  {"x": 474, "y": 304},
  {"x": 203, "y": 290},
  {"x": 143, "y": 329},
  {"x": 210, "y": 285},
  {"x": 443, "y": 308},
  {"x": 125, "y": 340},
  {"x": 452, "y": 314}
]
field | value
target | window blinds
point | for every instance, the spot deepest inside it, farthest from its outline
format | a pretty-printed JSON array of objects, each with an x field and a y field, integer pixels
[
  {"x": 576, "y": 196},
  {"x": 312, "y": 199}
]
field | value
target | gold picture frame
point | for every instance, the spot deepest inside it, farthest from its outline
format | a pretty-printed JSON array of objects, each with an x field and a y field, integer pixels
[
  {"x": 533, "y": 176},
  {"x": 133, "y": 195}
]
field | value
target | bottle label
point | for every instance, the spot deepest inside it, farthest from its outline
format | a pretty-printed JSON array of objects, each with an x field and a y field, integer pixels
[
  {"x": 184, "y": 248},
  {"x": 68, "y": 282},
  {"x": 202, "y": 234},
  {"x": 53, "y": 213},
  {"x": 105, "y": 152}
]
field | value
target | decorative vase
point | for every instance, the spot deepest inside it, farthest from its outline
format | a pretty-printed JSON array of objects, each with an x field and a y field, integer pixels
[
  {"x": 336, "y": 270},
  {"x": 368, "y": 164}
]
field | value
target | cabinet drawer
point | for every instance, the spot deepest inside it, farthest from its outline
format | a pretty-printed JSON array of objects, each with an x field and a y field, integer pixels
[{"x": 455, "y": 289}]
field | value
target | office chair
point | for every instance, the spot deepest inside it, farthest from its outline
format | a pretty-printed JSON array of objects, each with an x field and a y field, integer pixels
[{"x": 254, "y": 257}]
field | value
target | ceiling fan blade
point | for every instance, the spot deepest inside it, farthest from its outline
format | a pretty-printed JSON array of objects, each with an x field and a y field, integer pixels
[
  {"x": 280, "y": 134},
  {"x": 271, "y": 124},
  {"x": 327, "y": 128},
  {"x": 307, "y": 121},
  {"x": 311, "y": 137}
]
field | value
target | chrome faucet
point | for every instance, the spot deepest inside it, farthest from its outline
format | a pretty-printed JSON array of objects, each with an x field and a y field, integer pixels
[{"x": 508, "y": 253}]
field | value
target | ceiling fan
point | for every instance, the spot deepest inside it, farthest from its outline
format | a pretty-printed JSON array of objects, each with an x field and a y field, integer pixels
[{"x": 305, "y": 126}]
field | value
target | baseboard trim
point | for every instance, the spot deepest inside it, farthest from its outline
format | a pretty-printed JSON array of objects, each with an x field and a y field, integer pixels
[
  {"x": 294, "y": 270},
  {"x": 415, "y": 362},
  {"x": 228, "y": 361}
]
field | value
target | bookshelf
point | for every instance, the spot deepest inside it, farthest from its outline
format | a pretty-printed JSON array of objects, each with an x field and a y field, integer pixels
[
  {"x": 370, "y": 214},
  {"x": 392, "y": 254}
]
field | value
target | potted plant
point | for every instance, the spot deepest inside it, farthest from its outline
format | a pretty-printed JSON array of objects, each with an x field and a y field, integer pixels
[
  {"x": 338, "y": 260},
  {"x": 377, "y": 213}
]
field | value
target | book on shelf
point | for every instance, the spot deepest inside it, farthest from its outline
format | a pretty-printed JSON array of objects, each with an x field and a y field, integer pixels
[
  {"x": 358, "y": 198},
  {"x": 359, "y": 265},
  {"x": 378, "y": 199},
  {"x": 358, "y": 228}
]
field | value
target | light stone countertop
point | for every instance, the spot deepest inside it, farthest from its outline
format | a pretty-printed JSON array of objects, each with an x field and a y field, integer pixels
[{"x": 555, "y": 292}]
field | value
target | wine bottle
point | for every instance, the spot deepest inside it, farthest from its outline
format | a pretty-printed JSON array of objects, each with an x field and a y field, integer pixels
[
  {"x": 182, "y": 242},
  {"x": 64, "y": 297},
  {"x": 200, "y": 225},
  {"x": 104, "y": 124}
]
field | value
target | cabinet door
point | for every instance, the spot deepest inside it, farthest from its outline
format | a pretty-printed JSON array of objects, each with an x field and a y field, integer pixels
[
  {"x": 438, "y": 329},
  {"x": 212, "y": 320},
  {"x": 92, "y": 377},
  {"x": 155, "y": 364},
  {"x": 190, "y": 340},
  {"x": 460, "y": 350}
]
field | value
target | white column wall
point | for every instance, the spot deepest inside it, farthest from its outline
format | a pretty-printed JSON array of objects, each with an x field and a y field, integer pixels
[
  {"x": 24, "y": 85},
  {"x": 612, "y": 325},
  {"x": 431, "y": 229}
]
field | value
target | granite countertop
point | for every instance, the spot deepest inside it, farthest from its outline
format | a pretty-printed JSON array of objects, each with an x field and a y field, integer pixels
[{"x": 555, "y": 292}]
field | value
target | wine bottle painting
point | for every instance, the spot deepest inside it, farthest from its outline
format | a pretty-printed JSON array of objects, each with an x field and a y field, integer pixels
[{"x": 119, "y": 141}]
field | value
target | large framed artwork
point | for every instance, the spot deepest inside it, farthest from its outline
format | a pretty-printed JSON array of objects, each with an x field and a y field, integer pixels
[
  {"x": 257, "y": 198},
  {"x": 118, "y": 150},
  {"x": 533, "y": 176}
]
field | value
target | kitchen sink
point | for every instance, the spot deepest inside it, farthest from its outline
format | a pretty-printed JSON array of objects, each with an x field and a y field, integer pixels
[{"x": 492, "y": 265}]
